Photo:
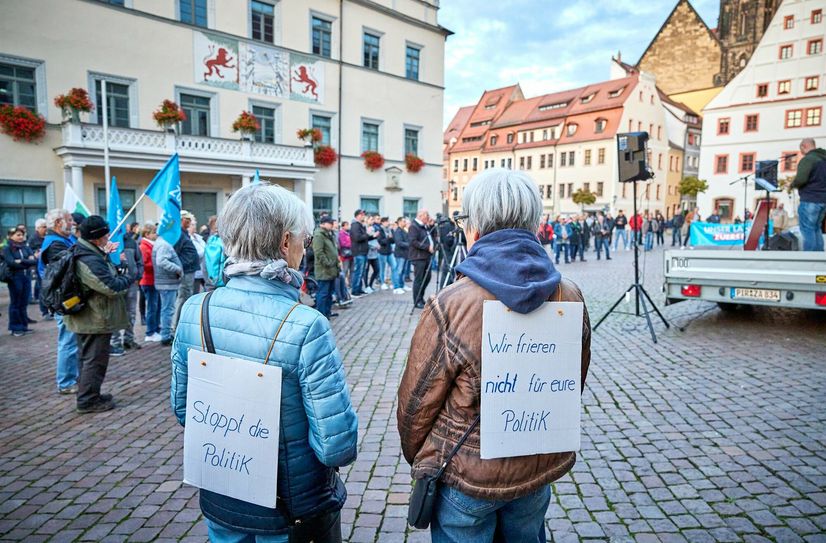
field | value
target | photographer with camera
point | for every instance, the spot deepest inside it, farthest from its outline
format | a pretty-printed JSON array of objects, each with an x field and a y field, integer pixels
[{"x": 422, "y": 248}]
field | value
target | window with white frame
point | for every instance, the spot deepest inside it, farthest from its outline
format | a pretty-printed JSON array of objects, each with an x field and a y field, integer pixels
[
  {"x": 410, "y": 207},
  {"x": 262, "y": 17},
  {"x": 369, "y": 136},
  {"x": 266, "y": 116},
  {"x": 411, "y": 141},
  {"x": 193, "y": 12},
  {"x": 117, "y": 103},
  {"x": 18, "y": 86},
  {"x": 323, "y": 123},
  {"x": 197, "y": 111},
  {"x": 322, "y": 205},
  {"x": 322, "y": 37},
  {"x": 371, "y": 46},
  {"x": 412, "y": 58}
]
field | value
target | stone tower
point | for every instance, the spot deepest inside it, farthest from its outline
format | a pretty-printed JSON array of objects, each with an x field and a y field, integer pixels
[{"x": 740, "y": 26}]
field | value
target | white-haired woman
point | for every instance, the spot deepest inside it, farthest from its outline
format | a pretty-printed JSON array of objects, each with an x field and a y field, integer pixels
[
  {"x": 265, "y": 230},
  {"x": 502, "y": 499}
]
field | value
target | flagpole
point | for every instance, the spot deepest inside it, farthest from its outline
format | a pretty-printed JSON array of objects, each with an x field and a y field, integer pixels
[
  {"x": 126, "y": 215},
  {"x": 106, "y": 178}
]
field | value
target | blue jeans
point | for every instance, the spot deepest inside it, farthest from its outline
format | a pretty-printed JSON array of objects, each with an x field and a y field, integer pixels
[
  {"x": 600, "y": 244},
  {"x": 811, "y": 217},
  {"x": 168, "y": 298},
  {"x": 219, "y": 534},
  {"x": 324, "y": 296},
  {"x": 341, "y": 288},
  {"x": 649, "y": 241},
  {"x": 384, "y": 261},
  {"x": 356, "y": 280},
  {"x": 675, "y": 236},
  {"x": 153, "y": 310},
  {"x": 459, "y": 518},
  {"x": 621, "y": 233},
  {"x": 20, "y": 289},
  {"x": 67, "y": 362},
  {"x": 406, "y": 270},
  {"x": 559, "y": 246},
  {"x": 398, "y": 272}
]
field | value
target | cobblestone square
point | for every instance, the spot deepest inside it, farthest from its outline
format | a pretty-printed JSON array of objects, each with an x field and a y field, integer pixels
[{"x": 714, "y": 434}]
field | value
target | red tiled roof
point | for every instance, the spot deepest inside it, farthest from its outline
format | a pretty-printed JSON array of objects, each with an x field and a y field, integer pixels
[
  {"x": 586, "y": 126},
  {"x": 454, "y": 129}
]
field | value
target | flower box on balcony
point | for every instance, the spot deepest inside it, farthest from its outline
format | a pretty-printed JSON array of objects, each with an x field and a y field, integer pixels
[
  {"x": 169, "y": 114},
  {"x": 73, "y": 103},
  {"x": 247, "y": 124}
]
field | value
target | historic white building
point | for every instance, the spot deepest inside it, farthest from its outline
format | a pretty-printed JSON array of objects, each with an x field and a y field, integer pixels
[
  {"x": 368, "y": 73},
  {"x": 764, "y": 112}
]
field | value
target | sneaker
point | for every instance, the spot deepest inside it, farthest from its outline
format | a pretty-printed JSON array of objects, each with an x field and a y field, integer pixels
[
  {"x": 18, "y": 333},
  {"x": 116, "y": 351},
  {"x": 345, "y": 303},
  {"x": 68, "y": 390},
  {"x": 356, "y": 296},
  {"x": 105, "y": 397},
  {"x": 131, "y": 344},
  {"x": 398, "y": 291},
  {"x": 408, "y": 289},
  {"x": 368, "y": 290},
  {"x": 98, "y": 407},
  {"x": 384, "y": 286}
]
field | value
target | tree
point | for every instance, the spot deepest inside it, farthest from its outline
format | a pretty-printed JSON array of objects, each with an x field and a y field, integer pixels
[
  {"x": 691, "y": 186},
  {"x": 584, "y": 197}
]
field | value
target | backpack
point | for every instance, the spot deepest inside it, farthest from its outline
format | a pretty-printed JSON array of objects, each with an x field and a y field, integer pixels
[
  {"x": 215, "y": 260},
  {"x": 5, "y": 271},
  {"x": 60, "y": 290}
]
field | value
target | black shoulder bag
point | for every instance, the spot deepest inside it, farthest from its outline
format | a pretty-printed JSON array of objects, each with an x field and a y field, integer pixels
[{"x": 426, "y": 489}]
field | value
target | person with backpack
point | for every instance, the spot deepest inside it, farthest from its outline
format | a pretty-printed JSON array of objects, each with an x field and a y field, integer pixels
[
  {"x": 19, "y": 259},
  {"x": 810, "y": 182},
  {"x": 104, "y": 288},
  {"x": 214, "y": 261},
  {"x": 153, "y": 301}
]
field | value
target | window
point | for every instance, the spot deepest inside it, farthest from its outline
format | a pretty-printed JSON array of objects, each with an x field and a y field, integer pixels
[
  {"x": 658, "y": 192},
  {"x": 510, "y": 138},
  {"x": 193, "y": 12},
  {"x": 659, "y": 132},
  {"x": 811, "y": 83},
  {"x": 587, "y": 159},
  {"x": 794, "y": 118},
  {"x": 541, "y": 162},
  {"x": 127, "y": 200},
  {"x": 722, "y": 126},
  {"x": 322, "y": 205},
  {"x": 788, "y": 22},
  {"x": 813, "y": 116},
  {"x": 817, "y": 16},
  {"x": 652, "y": 99},
  {"x": 456, "y": 165},
  {"x": 503, "y": 162},
  {"x": 524, "y": 137},
  {"x": 571, "y": 129},
  {"x": 640, "y": 96},
  {"x": 570, "y": 158},
  {"x": 521, "y": 163},
  {"x": 752, "y": 122},
  {"x": 623, "y": 189},
  {"x": 601, "y": 155},
  {"x": 724, "y": 207},
  {"x": 784, "y": 87},
  {"x": 615, "y": 93},
  {"x": 117, "y": 102},
  {"x": 660, "y": 161},
  {"x": 599, "y": 125},
  {"x": 790, "y": 161},
  {"x": 21, "y": 204},
  {"x": 530, "y": 160},
  {"x": 541, "y": 191},
  {"x": 411, "y": 62},
  {"x": 493, "y": 140},
  {"x": 545, "y": 135},
  {"x": 411, "y": 142},
  {"x": 785, "y": 52},
  {"x": 746, "y": 162},
  {"x": 325, "y": 124},
  {"x": 510, "y": 163},
  {"x": 475, "y": 164},
  {"x": 558, "y": 105},
  {"x": 721, "y": 164},
  {"x": 762, "y": 90},
  {"x": 322, "y": 37},
  {"x": 410, "y": 207},
  {"x": 651, "y": 129},
  {"x": 600, "y": 188},
  {"x": 639, "y": 126},
  {"x": 17, "y": 86},
  {"x": 479, "y": 123},
  {"x": 630, "y": 125},
  {"x": 196, "y": 109},
  {"x": 263, "y": 21},
  {"x": 464, "y": 165},
  {"x": 570, "y": 189},
  {"x": 814, "y": 47},
  {"x": 563, "y": 159},
  {"x": 370, "y": 205},
  {"x": 561, "y": 191},
  {"x": 369, "y": 137},
  {"x": 550, "y": 160},
  {"x": 371, "y": 51},
  {"x": 586, "y": 187},
  {"x": 691, "y": 139}
]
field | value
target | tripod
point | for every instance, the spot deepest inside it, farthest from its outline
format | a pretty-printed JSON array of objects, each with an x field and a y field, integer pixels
[
  {"x": 459, "y": 255},
  {"x": 639, "y": 291}
]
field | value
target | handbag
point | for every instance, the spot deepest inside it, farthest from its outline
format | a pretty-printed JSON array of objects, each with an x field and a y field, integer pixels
[{"x": 426, "y": 489}]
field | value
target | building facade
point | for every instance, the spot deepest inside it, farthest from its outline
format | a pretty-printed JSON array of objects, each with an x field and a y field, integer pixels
[
  {"x": 349, "y": 68},
  {"x": 766, "y": 110},
  {"x": 740, "y": 27}
]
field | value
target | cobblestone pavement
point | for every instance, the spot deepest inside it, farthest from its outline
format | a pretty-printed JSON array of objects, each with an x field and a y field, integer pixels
[{"x": 714, "y": 434}]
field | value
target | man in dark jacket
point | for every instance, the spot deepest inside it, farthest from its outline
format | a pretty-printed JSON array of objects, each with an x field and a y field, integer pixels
[
  {"x": 359, "y": 237},
  {"x": 105, "y": 311},
  {"x": 677, "y": 223},
  {"x": 810, "y": 183},
  {"x": 602, "y": 235},
  {"x": 327, "y": 266},
  {"x": 420, "y": 254},
  {"x": 400, "y": 251},
  {"x": 132, "y": 259},
  {"x": 189, "y": 260}
]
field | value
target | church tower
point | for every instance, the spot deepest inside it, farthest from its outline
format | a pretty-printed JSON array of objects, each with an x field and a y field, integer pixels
[{"x": 740, "y": 26}]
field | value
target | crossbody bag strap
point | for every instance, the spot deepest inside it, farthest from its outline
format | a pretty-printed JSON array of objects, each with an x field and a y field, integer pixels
[
  {"x": 206, "y": 333},
  {"x": 280, "y": 326},
  {"x": 457, "y": 447}
]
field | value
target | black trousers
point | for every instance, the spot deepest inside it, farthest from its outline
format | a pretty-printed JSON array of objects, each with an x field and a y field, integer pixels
[
  {"x": 321, "y": 529},
  {"x": 94, "y": 359},
  {"x": 421, "y": 278}
]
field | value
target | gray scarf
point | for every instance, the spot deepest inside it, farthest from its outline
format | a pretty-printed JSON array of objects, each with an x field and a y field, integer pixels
[{"x": 268, "y": 269}]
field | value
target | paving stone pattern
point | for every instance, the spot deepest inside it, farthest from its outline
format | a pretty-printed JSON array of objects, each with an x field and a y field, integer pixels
[{"x": 713, "y": 434}]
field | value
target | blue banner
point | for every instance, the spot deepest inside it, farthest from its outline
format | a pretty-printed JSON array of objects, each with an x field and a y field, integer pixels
[
  {"x": 720, "y": 235},
  {"x": 114, "y": 215}
]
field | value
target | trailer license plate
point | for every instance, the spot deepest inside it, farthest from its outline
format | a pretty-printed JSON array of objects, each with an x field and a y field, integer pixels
[{"x": 755, "y": 294}]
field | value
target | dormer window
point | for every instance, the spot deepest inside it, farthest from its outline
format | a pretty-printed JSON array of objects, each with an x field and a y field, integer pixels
[
  {"x": 586, "y": 99},
  {"x": 558, "y": 105},
  {"x": 490, "y": 106},
  {"x": 510, "y": 138},
  {"x": 616, "y": 93},
  {"x": 493, "y": 140},
  {"x": 599, "y": 125},
  {"x": 572, "y": 129}
]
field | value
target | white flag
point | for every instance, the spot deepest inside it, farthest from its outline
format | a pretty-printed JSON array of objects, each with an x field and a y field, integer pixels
[{"x": 72, "y": 203}]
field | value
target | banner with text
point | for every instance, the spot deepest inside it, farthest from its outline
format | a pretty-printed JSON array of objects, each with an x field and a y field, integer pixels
[
  {"x": 720, "y": 235},
  {"x": 233, "y": 410},
  {"x": 531, "y": 379}
]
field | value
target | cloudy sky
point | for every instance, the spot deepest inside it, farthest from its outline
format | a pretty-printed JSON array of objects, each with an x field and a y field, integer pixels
[{"x": 545, "y": 45}]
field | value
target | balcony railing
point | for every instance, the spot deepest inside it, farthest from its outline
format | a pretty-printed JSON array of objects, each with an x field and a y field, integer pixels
[{"x": 90, "y": 136}]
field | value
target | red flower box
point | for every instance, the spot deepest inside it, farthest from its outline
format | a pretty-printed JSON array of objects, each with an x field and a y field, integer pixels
[
  {"x": 21, "y": 123},
  {"x": 413, "y": 163},
  {"x": 325, "y": 156},
  {"x": 313, "y": 134},
  {"x": 246, "y": 123},
  {"x": 75, "y": 100},
  {"x": 169, "y": 113},
  {"x": 373, "y": 160}
]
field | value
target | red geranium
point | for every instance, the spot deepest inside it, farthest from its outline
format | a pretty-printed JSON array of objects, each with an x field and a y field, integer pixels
[
  {"x": 373, "y": 160},
  {"x": 413, "y": 163},
  {"x": 314, "y": 134},
  {"x": 21, "y": 123},
  {"x": 246, "y": 123},
  {"x": 169, "y": 113},
  {"x": 325, "y": 156},
  {"x": 76, "y": 99}
]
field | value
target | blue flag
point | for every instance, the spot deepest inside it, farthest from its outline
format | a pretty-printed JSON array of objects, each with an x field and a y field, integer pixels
[
  {"x": 165, "y": 190},
  {"x": 114, "y": 215},
  {"x": 257, "y": 178}
]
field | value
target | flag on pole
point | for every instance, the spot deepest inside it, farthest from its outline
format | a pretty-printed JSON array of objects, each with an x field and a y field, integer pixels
[
  {"x": 257, "y": 178},
  {"x": 72, "y": 203},
  {"x": 165, "y": 190},
  {"x": 114, "y": 216}
]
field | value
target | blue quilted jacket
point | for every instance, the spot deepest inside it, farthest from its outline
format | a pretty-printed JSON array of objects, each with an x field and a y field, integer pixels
[{"x": 318, "y": 424}]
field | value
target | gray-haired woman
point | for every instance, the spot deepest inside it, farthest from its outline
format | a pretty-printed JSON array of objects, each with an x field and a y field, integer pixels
[
  {"x": 503, "y": 499},
  {"x": 265, "y": 230}
]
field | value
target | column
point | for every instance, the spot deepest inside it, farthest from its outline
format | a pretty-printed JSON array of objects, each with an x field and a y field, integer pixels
[
  {"x": 245, "y": 180},
  {"x": 304, "y": 190},
  {"x": 77, "y": 181}
]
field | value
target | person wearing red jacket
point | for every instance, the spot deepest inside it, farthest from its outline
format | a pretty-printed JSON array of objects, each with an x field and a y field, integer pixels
[
  {"x": 153, "y": 301},
  {"x": 546, "y": 236},
  {"x": 636, "y": 228}
]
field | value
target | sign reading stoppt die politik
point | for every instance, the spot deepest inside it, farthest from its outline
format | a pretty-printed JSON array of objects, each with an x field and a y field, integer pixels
[{"x": 531, "y": 379}]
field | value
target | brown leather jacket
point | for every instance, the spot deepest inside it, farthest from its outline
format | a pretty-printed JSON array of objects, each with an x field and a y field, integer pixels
[{"x": 439, "y": 397}]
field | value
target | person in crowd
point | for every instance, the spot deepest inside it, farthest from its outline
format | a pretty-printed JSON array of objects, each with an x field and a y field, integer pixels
[
  {"x": 648, "y": 231},
  {"x": 345, "y": 252},
  {"x": 214, "y": 258},
  {"x": 359, "y": 236},
  {"x": 689, "y": 218},
  {"x": 188, "y": 256},
  {"x": 620, "y": 223},
  {"x": 577, "y": 239},
  {"x": 104, "y": 313},
  {"x": 134, "y": 231},
  {"x": 714, "y": 217},
  {"x": 420, "y": 254},
  {"x": 326, "y": 266},
  {"x": 386, "y": 258},
  {"x": 439, "y": 397},
  {"x": 371, "y": 272},
  {"x": 545, "y": 234},
  {"x": 265, "y": 229},
  {"x": 340, "y": 289},
  {"x": 205, "y": 232},
  {"x": 779, "y": 218},
  {"x": 562, "y": 238},
  {"x": 810, "y": 182},
  {"x": 35, "y": 242},
  {"x": 169, "y": 273},
  {"x": 20, "y": 260},
  {"x": 132, "y": 259},
  {"x": 59, "y": 237},
  {"x": 677, "y": 223},
  {"x": 659, "y": 232},
  {"x": 738, "y": 220},
  {"x": 401, "y": 248},
  {"x": 200, "y": 246},
  {"x": 635, "y": 223},
  {"x": 585, "y": 222},
  {"x": 602, "y": 235},
  {"x": 147, "y": 284},
  {"x": 445, "y": 232}
]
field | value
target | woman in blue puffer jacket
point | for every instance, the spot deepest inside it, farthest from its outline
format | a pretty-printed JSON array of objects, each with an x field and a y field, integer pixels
[{"x": 265, "y": 230}]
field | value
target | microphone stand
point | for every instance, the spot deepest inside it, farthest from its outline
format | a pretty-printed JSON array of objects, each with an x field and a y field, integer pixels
[{"x": 745, "y": 181}]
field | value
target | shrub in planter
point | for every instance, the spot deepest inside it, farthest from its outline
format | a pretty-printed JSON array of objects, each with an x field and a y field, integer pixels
[
  {"x": 246, "y": 123},
  {"x": 413, "y": 163},
  {"x": 21, "y": 123},
  {"x": 373, "y": 160},
  {"x": 325, "y": 156},
  {"x": 169, "y": 114},
  {"x": 310, "y": 134},
  {"x": 73, "y": 103}
]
